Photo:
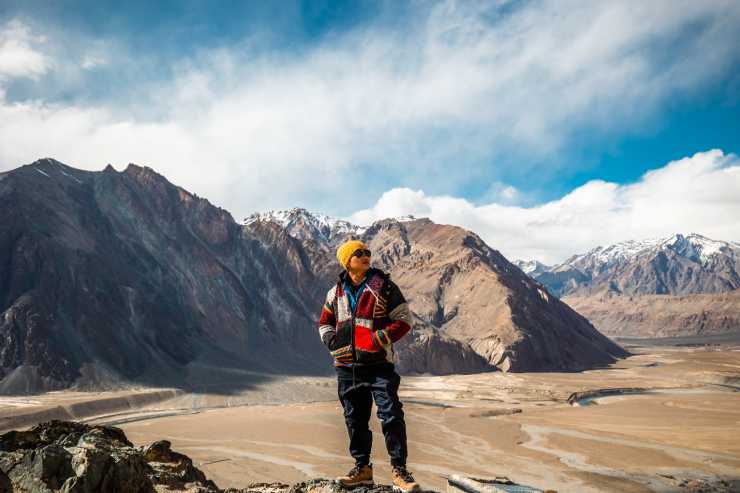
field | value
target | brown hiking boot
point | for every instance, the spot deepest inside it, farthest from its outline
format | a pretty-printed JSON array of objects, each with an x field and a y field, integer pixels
[
  {"x": 358, "y": 476},
  {"x": 403, "y": 481}
]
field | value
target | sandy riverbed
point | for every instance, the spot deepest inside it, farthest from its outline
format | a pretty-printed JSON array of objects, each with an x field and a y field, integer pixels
[{"x": 686, "y": 425}]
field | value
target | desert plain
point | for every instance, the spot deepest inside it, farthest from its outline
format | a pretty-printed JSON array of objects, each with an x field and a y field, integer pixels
[{"x": 675, "y": 427}]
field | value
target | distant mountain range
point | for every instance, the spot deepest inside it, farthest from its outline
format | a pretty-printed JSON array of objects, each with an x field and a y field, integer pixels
[
  {"x": 109, "y": 277},
  {"x": 605, "y": 283}
]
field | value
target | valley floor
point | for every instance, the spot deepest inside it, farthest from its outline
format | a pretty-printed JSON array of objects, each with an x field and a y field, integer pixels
[{"x": 678, "y": 428}]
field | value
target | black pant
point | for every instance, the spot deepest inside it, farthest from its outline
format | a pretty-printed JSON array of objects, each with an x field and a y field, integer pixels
[{"x": 380, "y": 382}]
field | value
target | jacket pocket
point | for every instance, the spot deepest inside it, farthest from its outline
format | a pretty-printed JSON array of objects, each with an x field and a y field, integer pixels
[{"x": 343, "y": 355}]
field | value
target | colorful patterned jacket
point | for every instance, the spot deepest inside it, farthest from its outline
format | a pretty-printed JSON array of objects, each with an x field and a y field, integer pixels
[{"x": 366, "y": 336}]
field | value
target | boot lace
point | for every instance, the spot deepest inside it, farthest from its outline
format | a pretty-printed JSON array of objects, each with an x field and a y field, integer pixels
[
  {"x": 355, "y": 471},
  {"x": 405, "y": 475}
]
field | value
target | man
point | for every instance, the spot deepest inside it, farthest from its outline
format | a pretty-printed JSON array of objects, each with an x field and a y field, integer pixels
[{"x": 364, "y": 314}]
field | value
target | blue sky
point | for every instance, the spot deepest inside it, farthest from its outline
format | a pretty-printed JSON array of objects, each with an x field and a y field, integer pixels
[{"x": 333, "y": 105}]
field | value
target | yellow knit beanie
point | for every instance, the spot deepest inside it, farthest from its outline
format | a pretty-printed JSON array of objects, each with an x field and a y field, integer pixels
[{"x": 345, "y": 251}]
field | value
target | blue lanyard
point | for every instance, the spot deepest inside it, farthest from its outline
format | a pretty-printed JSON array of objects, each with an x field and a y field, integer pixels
[{"x": 351, "y": 295}]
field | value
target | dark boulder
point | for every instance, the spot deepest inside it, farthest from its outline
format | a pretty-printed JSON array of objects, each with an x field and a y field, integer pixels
[{"x": 76, "y": 458}]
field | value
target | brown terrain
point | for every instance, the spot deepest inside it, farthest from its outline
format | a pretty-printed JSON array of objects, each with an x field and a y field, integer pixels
[
  {"x": 675, "y": 430},
  {"x": 660, "y": 315}
]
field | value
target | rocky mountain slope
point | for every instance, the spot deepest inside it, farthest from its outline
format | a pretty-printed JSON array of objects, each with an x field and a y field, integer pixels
[
  {"x": 652, "y": 287},
  {"x": 112, "y": 277},
  {"x": 470, "y": 293}
]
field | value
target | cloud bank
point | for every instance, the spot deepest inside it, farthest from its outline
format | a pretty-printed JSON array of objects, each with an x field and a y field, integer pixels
[
  {"x": 18, "y": 58},
  {"x": 696, "y": 194},
  {"x": 432, "y": 106}
]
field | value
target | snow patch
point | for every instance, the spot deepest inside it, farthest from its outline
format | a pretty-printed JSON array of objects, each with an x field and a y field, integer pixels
[
  {"x": 70, "y": 176},
  {"x": 532, "y": 266}
]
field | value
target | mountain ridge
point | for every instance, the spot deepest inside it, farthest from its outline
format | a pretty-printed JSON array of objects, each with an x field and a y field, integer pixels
[
  {"x": 696, "y": 264},
  {"x": 122, "y": 278}
]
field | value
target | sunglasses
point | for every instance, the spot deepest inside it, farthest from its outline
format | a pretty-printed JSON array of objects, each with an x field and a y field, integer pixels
[{"x": 361, "y": 253}]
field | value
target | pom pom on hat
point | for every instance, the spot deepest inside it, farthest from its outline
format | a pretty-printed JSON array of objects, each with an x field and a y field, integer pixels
[{"x": 345, "y": 251}]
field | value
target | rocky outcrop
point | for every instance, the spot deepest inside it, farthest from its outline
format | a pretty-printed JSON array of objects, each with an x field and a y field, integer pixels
[
  {"x": 75, "y": 458},
  {"x": 312, "y": 486}
]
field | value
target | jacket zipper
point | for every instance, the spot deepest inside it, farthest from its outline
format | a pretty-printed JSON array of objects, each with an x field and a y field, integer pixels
[{"x": 354, "y": 356}]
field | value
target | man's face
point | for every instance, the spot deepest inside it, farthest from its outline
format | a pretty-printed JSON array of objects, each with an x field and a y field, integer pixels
[{"x": 359, "y": 263}]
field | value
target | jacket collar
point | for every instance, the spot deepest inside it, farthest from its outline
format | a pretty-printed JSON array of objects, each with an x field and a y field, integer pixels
[{"x": 344, "y": 275}]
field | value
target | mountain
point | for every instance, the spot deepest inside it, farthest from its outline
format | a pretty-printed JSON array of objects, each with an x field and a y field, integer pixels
[
  {"x": 678, "y": 265},
  {"x": 652, "y": 287},
  {"x": 470, "y": 293},
  {"x": 109, "y": 277}
]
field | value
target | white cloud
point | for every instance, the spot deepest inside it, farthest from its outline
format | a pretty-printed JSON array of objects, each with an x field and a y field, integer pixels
[
  {"x": 17, "y": 56},
  {"x": 256, "y": 131},
  {"x": 91, "y": 62},
  {"x": 697, "y": 194}
]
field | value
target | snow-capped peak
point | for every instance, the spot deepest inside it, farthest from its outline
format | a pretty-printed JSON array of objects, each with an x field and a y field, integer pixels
[
  {"x": 324, "y": 226},
  {"x": 619, "y": 251},
  {"x": 697, "y": 247},
  {"x": 531, "y": 267},
  {"x": 694, "y": 247}
]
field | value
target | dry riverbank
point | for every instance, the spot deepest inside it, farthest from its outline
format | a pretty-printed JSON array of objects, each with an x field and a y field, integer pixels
[{"x": 684, "y": 427}]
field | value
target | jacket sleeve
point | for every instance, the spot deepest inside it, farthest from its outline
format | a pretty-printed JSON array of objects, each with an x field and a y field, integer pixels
[
  {"x": 400, "y": 315},
  {"x": 328, "y": 321}
]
